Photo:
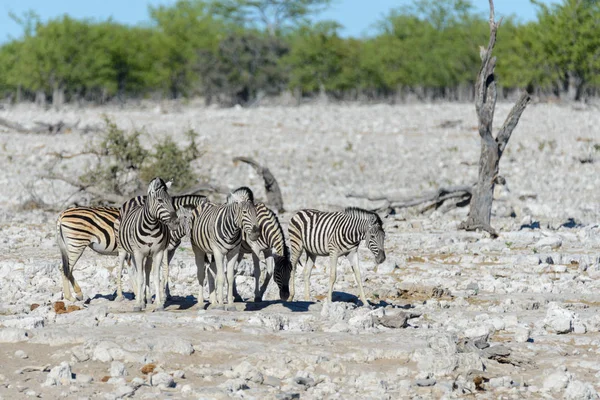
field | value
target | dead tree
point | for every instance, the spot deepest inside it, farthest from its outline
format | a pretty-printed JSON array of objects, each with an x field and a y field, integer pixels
[
  {"x": 480, "y": 210},
  {"x": 271, "y": 186}
]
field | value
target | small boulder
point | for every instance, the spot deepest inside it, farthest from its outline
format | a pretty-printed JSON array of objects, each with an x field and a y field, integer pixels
[
  {"x": 162, "y": 378},
  {"x": 59, "y": 375}
]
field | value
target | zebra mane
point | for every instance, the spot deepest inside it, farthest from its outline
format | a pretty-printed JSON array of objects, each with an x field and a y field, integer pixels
[
  {"x": 364, "y": 214},
  {"x": 286, "y": 249},
  {"x": 242, "y": 193}
]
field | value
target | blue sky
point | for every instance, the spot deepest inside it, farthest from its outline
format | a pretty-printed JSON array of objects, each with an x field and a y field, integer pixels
[{"x": 357, "y": 16}]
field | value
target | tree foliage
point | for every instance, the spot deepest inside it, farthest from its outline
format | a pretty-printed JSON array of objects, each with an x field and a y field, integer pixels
[{"x": 235, "y": 51}]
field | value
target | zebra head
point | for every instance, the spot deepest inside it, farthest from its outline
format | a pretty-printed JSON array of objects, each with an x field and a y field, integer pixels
[
  {"x": 160, "y": 203},
  {"x": 240, "y": 194},
  {"x": 248, "y": 222},
  {"x": 281, "y": 276},
  {"x": 375, "y": 238}
]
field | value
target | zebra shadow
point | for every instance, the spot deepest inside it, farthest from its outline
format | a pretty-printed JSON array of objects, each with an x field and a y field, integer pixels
[{"x": 294, "y": 306}]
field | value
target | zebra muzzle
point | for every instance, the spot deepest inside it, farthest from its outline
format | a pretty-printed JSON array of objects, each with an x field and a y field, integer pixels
[
  {"x": 254, "y": 234},
  {"x": 380, "y": 257}
]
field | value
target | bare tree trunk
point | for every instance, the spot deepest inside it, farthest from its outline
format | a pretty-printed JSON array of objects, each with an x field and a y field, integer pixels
[
  {"x": 58, "y": 97},
  {"x": 480, "y": 210}
]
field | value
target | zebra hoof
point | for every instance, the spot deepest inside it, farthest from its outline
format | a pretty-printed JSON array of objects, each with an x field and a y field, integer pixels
[
  {"x": 159, "y": 308},
  {"x": 220, "y": 307},
  {"x": 231, "y": 308},
  {"x": 137, "y": 308}
]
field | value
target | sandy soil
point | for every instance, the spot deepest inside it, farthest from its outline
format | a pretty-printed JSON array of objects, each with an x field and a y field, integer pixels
[{"x": 453, "y": 314}]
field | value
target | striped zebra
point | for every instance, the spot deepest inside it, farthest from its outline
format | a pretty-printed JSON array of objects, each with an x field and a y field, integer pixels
[
  {"x": 93, "y": 227},
  {"x": 271, "y": 243},
  {"x": 216, "y": 230},
  {"x": 185, "y": 218},
  {"x": 334, "y": 234},
  {"x": 144, "y": 234}
]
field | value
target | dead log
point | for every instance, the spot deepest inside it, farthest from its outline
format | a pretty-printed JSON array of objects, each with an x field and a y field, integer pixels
[
  {"x": 274, "y": 198},
  {"x": 434, "y": 199},
  {"x": 480, "y": 210},
  {"x": 43, "y": 127}
]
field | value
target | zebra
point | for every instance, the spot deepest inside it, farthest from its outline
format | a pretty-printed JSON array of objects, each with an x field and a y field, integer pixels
[
  {"x": 334, "y": 234},
  {"x": 185, "y": 217},
  {"x": 271, "y": 243},
  {"x": 94, "y": 227},
  {"x": 216, "y": 230},
  {"x": 144, "y": 233}
]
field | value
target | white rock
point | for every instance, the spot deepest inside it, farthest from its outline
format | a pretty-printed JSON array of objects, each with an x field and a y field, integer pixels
[
  {"x": 558, "y": 319},
  {"x": 577, "y": 390},
  {"x": 553, "y": 242},
  {"x": 337, "y": 311},
  {"x": 24, "y": 322},
  {"x": 117, "y": 368},
  {"x": 21, "y": 354},
  {"x": 59, "y": 375},
  {"x": 522, "y": 335},
  {"x": 13, "y": 335},
  {"x": 248, "y": 372},
  {"x": 579, "y": 327},
  {"x": 556, "y": 381},
  {"x": 162, "y": 378}
]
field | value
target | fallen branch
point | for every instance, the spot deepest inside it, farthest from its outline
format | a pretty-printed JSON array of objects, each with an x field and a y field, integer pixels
[
  {"x": 271, "y": 186},
  {"x": 49, "y": 128},
  {"x": 436, "y": 198}
]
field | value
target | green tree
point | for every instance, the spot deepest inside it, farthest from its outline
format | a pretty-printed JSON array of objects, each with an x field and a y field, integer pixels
[{"x": 571, "y": 43}]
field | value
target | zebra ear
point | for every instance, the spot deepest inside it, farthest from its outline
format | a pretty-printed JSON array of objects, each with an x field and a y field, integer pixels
[{"x": 168, "y": 184}]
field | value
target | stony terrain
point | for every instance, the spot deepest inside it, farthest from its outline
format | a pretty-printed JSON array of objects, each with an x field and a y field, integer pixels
[{"x": 453, "y": 314}]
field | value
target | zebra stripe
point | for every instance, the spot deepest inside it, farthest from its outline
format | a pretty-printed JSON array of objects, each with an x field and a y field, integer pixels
[
  {"x": 144, "y": 233},
  {"x": 94, "y": 227},
  {"x": 217, "y": 230},
  {"x": 271, "y": 243},
  {"x": 81, "y": 227},
  {"x": 334, "y": 234}
]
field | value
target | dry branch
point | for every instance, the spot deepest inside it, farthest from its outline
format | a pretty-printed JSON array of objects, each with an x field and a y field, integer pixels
[
  {"x": 48, "y": 128},
  {"x": 274, "y": 197},
  {"x": 436, "y": 198}
]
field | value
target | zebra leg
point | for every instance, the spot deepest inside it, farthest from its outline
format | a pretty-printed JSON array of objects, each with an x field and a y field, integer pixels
[
  {"x": 220, "y": 261},
  {"x": 200, "y": 272},
  {"x": 122, "y": 256},
  {"x": 212, "y": 272},
  {"x": 353, "y": 258},
  {"x": 170, "y": 254},
  {"x": 132, "y": 272},
  {"x": 159, "y": 289},
  {"x": 296, "y": 253},
  {"x": 140, "y": 298},
  {"x": 231, "y": 259},
  {"x": 310, "y": 262},
  {"x": 147, "y": 271},
  {"x": 258, "y": 289},
  {"x": 236, "y": 295},
  {"x": 332, "y": 274}
]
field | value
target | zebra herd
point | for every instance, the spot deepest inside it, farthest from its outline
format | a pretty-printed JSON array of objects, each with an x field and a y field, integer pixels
[{"x": 146, "y": 228}]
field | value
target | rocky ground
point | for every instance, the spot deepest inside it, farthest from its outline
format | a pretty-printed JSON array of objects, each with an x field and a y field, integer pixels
[{"x": 453, "y": 314}]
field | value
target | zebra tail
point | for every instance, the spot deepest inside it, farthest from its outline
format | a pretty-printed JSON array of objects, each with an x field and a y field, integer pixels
[{"x": 62, "y": 245}]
